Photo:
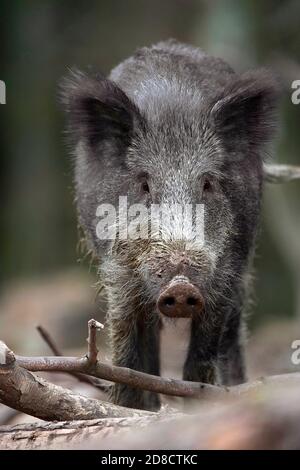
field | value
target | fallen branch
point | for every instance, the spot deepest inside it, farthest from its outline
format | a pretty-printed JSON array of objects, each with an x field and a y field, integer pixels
[
  {"x": 152, "y": 383},
  {"x": 23, "y": 391},
  {"x": 137, "y": 379},
  {"x": 90, "y": 366},
  {"x": 123, "y": 375},
  {"x": 281, "y": 173}
]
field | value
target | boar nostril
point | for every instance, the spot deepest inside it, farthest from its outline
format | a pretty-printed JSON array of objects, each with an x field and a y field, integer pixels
[
  {"x": 169, "y": 301},
  {"x": 191, "y": 301}
]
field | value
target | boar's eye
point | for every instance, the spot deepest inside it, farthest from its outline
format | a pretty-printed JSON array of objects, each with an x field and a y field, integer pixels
[
  {"x": 143, "y": 179},
  {"x": 145, "y": 187},
  {"x": 207, "y": 186}
]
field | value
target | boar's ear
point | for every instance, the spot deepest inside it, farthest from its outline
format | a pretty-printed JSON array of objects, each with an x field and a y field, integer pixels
[
  {"x": 98, "y": 110},
  {"x": 245, "y": 114}
]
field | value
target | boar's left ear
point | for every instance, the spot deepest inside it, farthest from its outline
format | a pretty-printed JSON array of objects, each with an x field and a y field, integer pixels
[
  {"x": 98, "y": 110},
  {"x": 246, "y": 111}
]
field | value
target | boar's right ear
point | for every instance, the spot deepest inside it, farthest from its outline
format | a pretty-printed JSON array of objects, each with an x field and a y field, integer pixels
[
  {"x": 98, "y": 110},
  {"x": 245, "y": 113}
]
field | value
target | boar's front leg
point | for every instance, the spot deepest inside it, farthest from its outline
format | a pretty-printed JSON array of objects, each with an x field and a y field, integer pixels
[
  {"x": 135, "y": 344},
  {"x": 231, "y": 351},
  {"x": 201, "y": 361}
]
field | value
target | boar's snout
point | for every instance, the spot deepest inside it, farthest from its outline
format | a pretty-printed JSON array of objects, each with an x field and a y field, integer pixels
[{"x": 180, "y": 299}]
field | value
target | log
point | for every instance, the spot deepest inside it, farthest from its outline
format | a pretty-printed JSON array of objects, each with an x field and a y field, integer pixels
[
  {"x": 256, "y": 421},
  {"x": 68, "y": 434}
]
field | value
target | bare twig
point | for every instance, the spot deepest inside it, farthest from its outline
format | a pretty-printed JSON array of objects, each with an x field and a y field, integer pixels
[
  {"x": 49, "y": 341},
  {"x": 281, "y": 173},
  {"x": 81, "y": 377},
  {"x": 93, "y": 326}
]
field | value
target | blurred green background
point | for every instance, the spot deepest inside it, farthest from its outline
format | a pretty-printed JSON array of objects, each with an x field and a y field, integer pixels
[{"x": 41, "y": 39}]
